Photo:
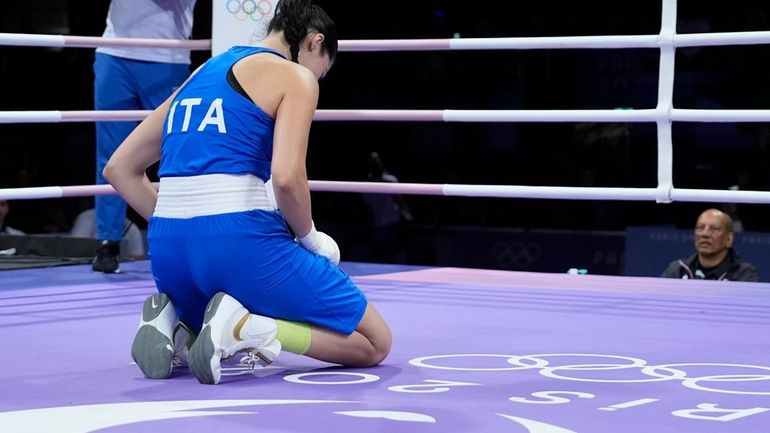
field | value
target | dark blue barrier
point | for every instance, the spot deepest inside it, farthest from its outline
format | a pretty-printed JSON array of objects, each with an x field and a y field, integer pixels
[
  {"x": 488, "y": 248},
  {"x": 531, "y": 250},
  {"x": 650, "y": 249}
]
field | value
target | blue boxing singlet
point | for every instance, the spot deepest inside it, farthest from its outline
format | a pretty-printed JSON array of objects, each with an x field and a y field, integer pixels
[
  {"x": 213, "y": 229},
  {"x": 212, "y": 128}
]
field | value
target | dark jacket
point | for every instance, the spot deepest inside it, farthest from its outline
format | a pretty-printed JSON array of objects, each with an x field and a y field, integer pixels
[{"x": 732, "y": 268}]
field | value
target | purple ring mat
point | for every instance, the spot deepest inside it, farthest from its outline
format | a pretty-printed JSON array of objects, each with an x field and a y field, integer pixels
[{"x": 474, "y": 350}]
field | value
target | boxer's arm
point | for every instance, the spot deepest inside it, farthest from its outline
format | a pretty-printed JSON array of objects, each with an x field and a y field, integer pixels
[{"x": 292, "y": 128}]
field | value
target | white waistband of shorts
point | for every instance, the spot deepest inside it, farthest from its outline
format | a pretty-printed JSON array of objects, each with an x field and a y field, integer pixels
[{"x": 210, "y": 194}]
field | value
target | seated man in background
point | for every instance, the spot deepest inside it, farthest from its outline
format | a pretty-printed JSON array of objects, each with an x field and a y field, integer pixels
[{"x": 714, "y": 257}]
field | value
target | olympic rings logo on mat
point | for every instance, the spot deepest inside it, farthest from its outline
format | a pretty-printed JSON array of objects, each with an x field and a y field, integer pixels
[
  {"x": 711, "y": 377},
  {"x": 257, "y": 10}
]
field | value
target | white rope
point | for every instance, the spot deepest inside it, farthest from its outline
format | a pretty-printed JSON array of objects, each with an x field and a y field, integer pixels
[
  {"x": 29, "y": 40},
  {"x": 456, "y": 190},
  {"x": 690, "y": 115},
  {"x": 25, "y": 40},
  {"x": 30, "y": 116},
  {"x": 31, "y": 193},
  {"x": 550, "y": 115},
  {"x": 719, "y": 39},
  {"x": 612, "y": 116},
  {"x": 720, "y": 196},
  {"x": 553, "y": 43},
  {"x": 521, "y": 43}
]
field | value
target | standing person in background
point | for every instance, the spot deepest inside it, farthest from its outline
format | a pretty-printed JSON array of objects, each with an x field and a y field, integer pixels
[
  {"x": 85, "y": 227},
  {"x": 388, "y": 212},
  {"x": 714, "y": 257},
  {"x": 133, "y": 79}
]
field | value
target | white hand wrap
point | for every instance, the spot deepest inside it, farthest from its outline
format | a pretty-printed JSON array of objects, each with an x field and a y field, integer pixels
[{"x": 322, "y": 244}]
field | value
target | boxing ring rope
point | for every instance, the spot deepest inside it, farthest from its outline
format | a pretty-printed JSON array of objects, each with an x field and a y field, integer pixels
[
  {"x": 64, "y": 41},
  {"x": 450, "y": 190},
  {"x": 393, "y": 45},
  {"x": 539, "y": 116},
  {"x": 662, "y": 115}
]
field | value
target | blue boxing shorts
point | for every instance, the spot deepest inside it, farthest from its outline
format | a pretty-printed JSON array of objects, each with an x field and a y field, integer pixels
[{"x": 251, "y": 256}]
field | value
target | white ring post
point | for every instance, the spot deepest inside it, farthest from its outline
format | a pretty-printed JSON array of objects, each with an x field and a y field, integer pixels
[{"x": 665, "y": 102}]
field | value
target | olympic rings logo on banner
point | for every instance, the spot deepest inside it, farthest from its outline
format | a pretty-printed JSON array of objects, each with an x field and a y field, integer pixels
[
  {"x": 516, "y": 255},
  {"x": 736, "y": 373},
  {"x": 257, "y": 10}
]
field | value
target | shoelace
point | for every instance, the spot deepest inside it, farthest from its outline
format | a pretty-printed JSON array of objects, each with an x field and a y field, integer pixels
[
  {"x": 181, "y": 351},
  {"x": 250, "y": 360},
  {"x": 253, "y": 358},
  {"x": 176, "y": 361},
  {"x": 179, "y": 358}
]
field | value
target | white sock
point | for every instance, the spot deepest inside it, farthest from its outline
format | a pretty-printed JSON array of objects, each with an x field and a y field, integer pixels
[{"x": 259, "y": 327}]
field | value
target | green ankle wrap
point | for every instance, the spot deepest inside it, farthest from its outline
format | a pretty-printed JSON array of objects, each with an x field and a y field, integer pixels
[{"x": 294, "y": 336}]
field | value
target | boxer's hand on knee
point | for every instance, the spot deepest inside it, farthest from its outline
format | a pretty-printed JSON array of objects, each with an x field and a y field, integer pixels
[{"x": 322, "y": 244}]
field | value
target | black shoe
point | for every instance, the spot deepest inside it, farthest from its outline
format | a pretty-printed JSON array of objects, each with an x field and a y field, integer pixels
[{"x": 107, "y": 258}]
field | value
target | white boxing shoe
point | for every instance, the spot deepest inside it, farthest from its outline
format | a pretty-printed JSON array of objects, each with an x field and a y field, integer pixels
[
  {"x": 228, "y": 328},
  {"x": 161, "y": 342}
]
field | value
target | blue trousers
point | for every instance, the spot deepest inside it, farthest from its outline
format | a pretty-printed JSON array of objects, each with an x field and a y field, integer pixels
[
  {"x": 125, "y": 84},
  {"x": 252, "y": 257}
]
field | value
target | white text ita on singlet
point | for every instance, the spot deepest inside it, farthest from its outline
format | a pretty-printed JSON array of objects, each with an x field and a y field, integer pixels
[{"x": 214, "y": 116}]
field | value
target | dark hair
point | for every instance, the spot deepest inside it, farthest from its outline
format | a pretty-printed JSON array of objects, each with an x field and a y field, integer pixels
[{"x": 297, "y": 18}]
